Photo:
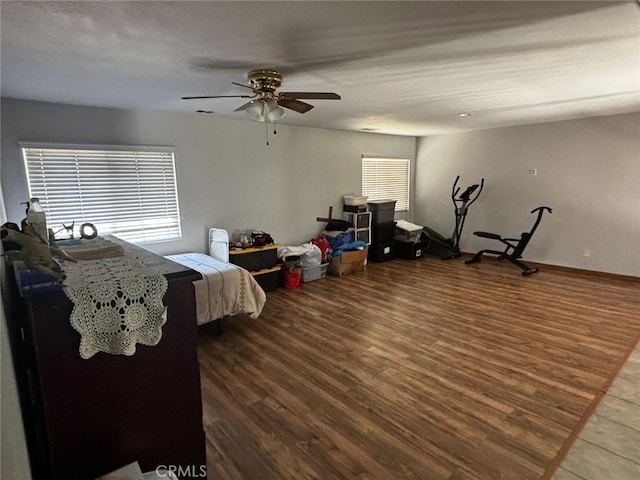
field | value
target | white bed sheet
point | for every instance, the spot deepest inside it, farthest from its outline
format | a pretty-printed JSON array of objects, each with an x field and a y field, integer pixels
[{"x": 225, "y": 289}]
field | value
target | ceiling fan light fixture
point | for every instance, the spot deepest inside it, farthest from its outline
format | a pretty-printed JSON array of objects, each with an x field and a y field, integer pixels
[
  {"x": 265, "y": 110},
  {"x": 256, "y": 110},
  {"x": 274, "y": 111}
]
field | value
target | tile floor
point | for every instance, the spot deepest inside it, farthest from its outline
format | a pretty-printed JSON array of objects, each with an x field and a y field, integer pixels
[{"x": 608, "y": 447}]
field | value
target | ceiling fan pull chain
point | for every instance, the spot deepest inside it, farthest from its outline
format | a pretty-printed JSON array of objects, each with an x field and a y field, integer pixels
[{"x": 266, "y": 130}]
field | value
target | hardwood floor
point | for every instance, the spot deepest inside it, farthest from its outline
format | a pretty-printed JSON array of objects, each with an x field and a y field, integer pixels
[{"x": 418, "y": 369}]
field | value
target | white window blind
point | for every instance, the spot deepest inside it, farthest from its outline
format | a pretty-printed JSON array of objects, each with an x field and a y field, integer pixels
[
  {"x": 129, "y": 192},
  {"x": 386, "y": 179}
]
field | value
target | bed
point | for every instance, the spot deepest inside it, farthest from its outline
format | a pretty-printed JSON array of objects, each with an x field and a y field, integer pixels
[{"x": 225, "y": 289}]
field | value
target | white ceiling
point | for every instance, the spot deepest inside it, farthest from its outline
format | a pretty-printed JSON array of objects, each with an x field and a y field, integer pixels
[{"x": 407, "y": 68}]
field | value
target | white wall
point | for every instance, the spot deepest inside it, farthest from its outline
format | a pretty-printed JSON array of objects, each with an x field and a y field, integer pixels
[
  {"x": 227, "y": 176},
  {"x": 588, "y": 172}
]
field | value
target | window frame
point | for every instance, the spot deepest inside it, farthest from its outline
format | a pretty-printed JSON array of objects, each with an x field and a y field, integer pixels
[
  {"x": 403, "y": 205},
  {"x": 129, "y": 191}
]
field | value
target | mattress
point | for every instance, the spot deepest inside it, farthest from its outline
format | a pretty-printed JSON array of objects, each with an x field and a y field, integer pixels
[{"x": 225, "y": 289}]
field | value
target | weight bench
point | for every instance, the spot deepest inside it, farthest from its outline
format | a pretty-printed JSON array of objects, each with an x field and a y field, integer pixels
[{"x": 513, "y": 251}]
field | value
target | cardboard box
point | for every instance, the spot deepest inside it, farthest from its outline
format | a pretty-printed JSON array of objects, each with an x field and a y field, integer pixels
[
  {"x": 32, "y": 282},
  {"x": 348, "y": 262}
]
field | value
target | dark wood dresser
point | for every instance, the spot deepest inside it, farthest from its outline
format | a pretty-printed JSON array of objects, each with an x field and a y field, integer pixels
[{"x": 85, "y": 418}]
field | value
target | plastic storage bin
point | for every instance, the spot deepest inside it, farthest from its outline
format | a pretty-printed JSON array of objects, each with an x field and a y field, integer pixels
[
  {"x": 382, "y": 211},
  {"x": 355, "y": 199},
  {"x": 407, "y": 232},
  {"x": 382, "y": 252},
  {"x": 383, "y": 232},
  {"x": 267, "y": 278},
  {"x": 255, "y": 258},
  {"x": 411, "y": 250},
  {"x": 407, "y": 236}
]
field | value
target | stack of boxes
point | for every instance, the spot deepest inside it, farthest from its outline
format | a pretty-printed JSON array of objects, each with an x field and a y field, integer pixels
[
  {"x": 383, "y": 227},
  {"x": 408, "y": 240},
  {"x": 356, "y": 212}
]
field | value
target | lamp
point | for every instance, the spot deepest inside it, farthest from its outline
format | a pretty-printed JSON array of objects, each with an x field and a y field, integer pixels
[{"x": 265, "y": 110}]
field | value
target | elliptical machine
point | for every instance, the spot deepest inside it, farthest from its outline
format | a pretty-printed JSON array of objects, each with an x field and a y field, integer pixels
[{"x": 448, "y": 248}]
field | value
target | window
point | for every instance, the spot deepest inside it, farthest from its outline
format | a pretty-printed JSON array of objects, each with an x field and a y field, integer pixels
[
  {"x": 129, "y": 192},
  {"x": 386, "y": 179}
]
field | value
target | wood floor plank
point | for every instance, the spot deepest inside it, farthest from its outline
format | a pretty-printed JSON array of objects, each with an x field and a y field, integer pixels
[
  {"x": 414, "y": 369},
  {"x": 331, "y": 407}
]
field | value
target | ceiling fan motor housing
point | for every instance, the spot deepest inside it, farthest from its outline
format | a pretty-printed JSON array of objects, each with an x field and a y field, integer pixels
[{"x": 264, "y": 81}]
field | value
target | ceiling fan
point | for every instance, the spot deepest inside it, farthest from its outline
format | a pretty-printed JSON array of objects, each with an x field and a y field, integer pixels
[{"x": 266, "y": 104}]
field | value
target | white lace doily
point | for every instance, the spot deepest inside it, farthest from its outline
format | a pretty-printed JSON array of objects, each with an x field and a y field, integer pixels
[{"x": 117, "y": 303}]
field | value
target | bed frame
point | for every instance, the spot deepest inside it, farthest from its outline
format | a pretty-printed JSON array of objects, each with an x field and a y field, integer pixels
[{"x": 225, "y": 289}]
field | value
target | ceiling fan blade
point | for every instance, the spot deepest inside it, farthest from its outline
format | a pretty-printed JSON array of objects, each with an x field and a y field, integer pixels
[
  {"x": 245, "y": 106},
  {"x": 219, "y": 96},
  {"x": 241, "y": 85},
  {"x": 312, "y": 95},
  {"x": 293, "y": 104}
]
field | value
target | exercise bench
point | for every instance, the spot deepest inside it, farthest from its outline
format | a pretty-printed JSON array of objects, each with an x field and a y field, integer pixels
[{"x": 513, "y": 251}]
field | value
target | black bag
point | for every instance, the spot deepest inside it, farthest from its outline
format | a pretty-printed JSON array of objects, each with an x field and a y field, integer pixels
[
  {"x": 338, "y": 225},
  {"x": 260, "y": 239}
]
